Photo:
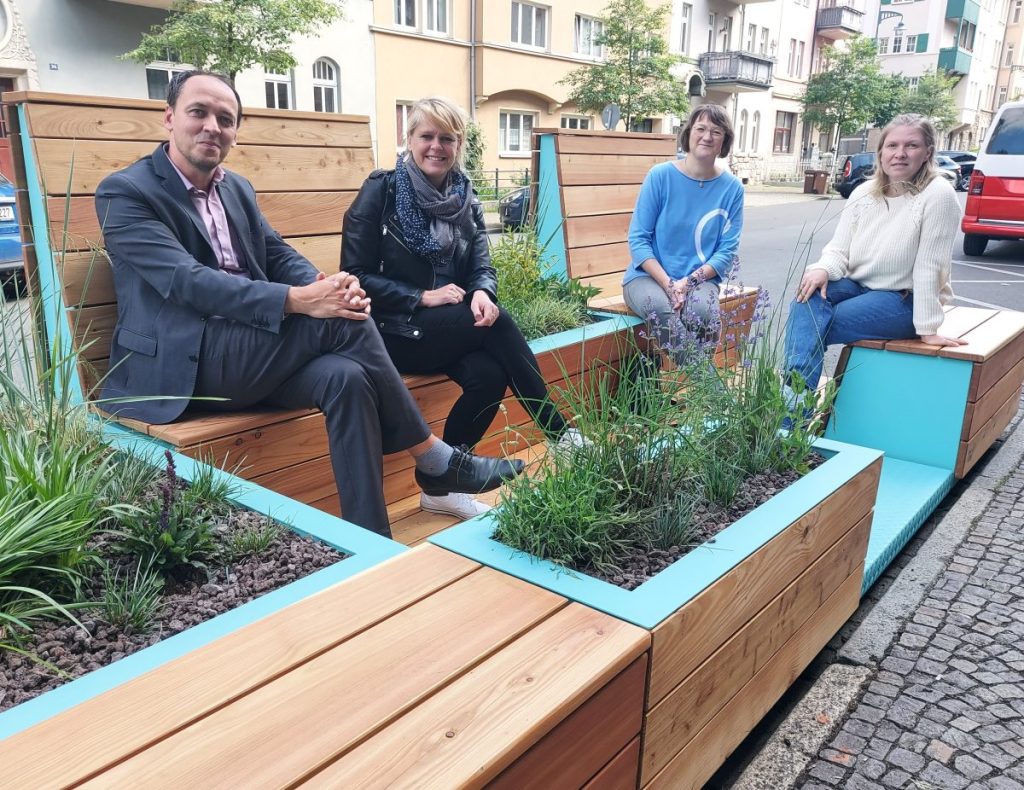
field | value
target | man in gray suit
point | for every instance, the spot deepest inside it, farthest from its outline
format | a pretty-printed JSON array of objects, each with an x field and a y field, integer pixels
[{"x": 213, "y": 304}]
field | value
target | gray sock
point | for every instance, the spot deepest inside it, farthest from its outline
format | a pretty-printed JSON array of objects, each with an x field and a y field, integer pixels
[{"x": 435, "y": 460}]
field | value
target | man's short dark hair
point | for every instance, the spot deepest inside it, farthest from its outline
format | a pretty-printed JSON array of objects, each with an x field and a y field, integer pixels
[{"x": 178, "y": 81}]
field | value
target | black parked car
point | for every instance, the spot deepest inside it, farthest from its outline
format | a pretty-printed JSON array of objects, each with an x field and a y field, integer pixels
[
  {"x": 514, "y": 208},
  {"x": 858, "y": 168},
  {"x": 966, "y": 161}
]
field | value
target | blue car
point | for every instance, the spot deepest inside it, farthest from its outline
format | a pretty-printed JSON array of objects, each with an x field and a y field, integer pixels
[{"x": 10, "y": 241}]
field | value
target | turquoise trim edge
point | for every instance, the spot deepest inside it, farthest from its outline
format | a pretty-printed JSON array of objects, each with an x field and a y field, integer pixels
[
  {"x": 366, "y": 549},
  {"x": 550, "y": 222},
  {"x": 659, "y": 597}
]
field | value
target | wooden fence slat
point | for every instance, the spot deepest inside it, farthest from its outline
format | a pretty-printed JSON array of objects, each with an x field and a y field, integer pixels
[
  {"x": 661, "y": 146},
  {"x": 91, "y": 122},
  {"x": 603, "y": 259},
  {"x": 82, "y": 164},
  {"x": 592, "y": 169},
  {"x": 609, "y": 199},
  {"x": 598, "y": 229}
]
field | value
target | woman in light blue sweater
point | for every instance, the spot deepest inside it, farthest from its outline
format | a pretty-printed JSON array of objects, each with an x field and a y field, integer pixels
[{"x": 684, "y": 236}]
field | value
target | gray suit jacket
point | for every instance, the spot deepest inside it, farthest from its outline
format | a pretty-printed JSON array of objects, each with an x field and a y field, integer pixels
[{"x": 168, "y": 281}]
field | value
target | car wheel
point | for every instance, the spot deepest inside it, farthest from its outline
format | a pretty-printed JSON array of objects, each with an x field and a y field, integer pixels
[
  {"x": 975, "y": 245},
  {"x": 961, "y": 185}
]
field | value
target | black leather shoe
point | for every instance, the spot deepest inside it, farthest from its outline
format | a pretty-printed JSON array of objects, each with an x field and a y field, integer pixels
[{"x": 469, "y": 474}]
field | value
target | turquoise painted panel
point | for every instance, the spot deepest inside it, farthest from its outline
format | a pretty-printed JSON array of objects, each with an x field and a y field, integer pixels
[
  {"x": 52, "y": 305},
  {"x": 907, "y": 494},
  {"x": 608, "y": 324},
  {"x": 366, "y": 549},
  {"x": 659, "y": 597},
  {"x": 909, "y": 405},
  {"x": 550, "y": 222},
  {"x": 954, "y": 60}
]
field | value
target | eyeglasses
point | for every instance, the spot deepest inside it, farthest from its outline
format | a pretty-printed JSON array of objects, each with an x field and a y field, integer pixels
[{"x": 714, "y": 131}]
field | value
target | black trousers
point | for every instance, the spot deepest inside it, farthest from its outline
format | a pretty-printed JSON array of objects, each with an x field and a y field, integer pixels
[
  {"x": 337, "y": 365},
  {"x": 484, "y": 361}
]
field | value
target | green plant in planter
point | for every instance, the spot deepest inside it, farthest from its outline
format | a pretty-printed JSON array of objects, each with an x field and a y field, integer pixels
[
  {"x": 252, "y": 539},
  {"x": 666, "y": 448},
  {"x": 173, "y": 531},
  {"x": 540, "y": 305},
  {"x": 132, "y": 601}
]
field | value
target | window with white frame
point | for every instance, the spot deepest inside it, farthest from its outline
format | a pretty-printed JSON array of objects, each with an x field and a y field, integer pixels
[
  {"x": 514, "y": 132},
  {"x": 325, "y": 86},
  {"x": 910, "y": 44},
  {"x": 159, "y": 74},
  {"x": 1017, "y": 10},
  {"x": 1002, "y": 95},
  {"x": 405, "y": 13},
  {"x": 897, "y": 44},
  {"x": 763, "y": 50},
  {"x": 741, "y": 137},
  {"x": 401, "y": 124},
  {"x": 576, "y": 122},
  {"x": 645, "y": 125},
  {"x": 799, "y": 59},
  {"x": 912, "y": 84},
  {"x": 712, "y": 20},
  {"x": 883, "y": 46},
  {"x": 529, "y": 25},
  {"x": 1008, "y": 61},
  {"x": 278, "y": 88},
  {"x": 751, "y": 37},
  {"x": 685, "y": 26},
  {"x": 586, "y": 30},
  {"x": 755, "y": 130},
  {"x": 791, "y": 62},
  {"x": 436, "y": 16},
  {"x": 967, "y": 33}
]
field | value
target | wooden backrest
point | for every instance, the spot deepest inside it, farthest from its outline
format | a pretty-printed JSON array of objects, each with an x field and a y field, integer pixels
[
  {"x": 306, "y": 169},
  {"x": 599, "y": 176}
]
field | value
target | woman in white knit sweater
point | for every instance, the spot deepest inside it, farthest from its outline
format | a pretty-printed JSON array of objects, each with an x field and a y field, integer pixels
[{"x": 885, "y": 273}]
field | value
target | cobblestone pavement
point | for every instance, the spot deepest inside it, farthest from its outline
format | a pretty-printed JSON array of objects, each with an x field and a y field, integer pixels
[{"x": 945, "y": 709}]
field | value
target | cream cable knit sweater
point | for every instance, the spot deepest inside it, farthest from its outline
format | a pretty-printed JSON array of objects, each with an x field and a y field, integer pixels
[{"x": 897, "y": 244}]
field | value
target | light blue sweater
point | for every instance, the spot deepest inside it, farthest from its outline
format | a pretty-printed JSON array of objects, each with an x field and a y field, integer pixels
[{"x": 683, "y": 223}]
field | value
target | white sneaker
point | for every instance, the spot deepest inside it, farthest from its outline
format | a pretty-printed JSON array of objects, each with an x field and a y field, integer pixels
[
  {"x": 462, "y": 505},
  {"x": 571, "y": 440}
]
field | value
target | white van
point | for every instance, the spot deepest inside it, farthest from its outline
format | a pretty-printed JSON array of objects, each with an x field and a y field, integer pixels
[{"x": 995, "y": 196}]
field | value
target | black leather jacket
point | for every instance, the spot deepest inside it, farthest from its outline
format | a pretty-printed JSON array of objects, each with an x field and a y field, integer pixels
[{"x": 394, "y": 277}]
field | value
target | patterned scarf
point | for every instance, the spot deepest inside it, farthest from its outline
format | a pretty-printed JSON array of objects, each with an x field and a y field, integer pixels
[{"x": 429, "y": 218}]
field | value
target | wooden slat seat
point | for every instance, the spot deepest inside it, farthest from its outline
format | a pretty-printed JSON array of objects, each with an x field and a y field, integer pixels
[
  {"x": 995, "y": 349},
  {"x": 425, "y": 671},
  {"x": 306, "y": 169}
]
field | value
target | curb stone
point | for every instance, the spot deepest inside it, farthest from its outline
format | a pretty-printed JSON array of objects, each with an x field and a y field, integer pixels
[{"x": 799, "y": 738}]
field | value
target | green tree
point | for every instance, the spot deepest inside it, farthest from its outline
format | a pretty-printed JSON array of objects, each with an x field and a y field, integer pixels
[
  {"x": 846, "y": 94},
  {"x": 933, "y": 99},
  {"x": 892, "y": 95},
  {"x": 230, "y": 36},
  {"x": 635, "y": 73},
  {"x": 474, "y": 147}
]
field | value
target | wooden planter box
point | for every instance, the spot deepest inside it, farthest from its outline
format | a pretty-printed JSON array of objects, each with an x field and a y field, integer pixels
[
  {"x": 365, "y": 549},
  {"x": 733, "y": 623}
]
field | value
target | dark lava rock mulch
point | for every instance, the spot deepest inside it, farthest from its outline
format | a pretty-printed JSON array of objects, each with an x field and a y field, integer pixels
[
  {"x": 185, "y": 604},
  {"x": 643, "y": 563}
]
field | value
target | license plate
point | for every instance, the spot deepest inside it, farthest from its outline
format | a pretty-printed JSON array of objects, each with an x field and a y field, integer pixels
[{"x": 6, "y": 213}]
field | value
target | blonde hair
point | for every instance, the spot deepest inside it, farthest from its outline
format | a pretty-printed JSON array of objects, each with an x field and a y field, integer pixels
[
  {"x": 881, "y": 182},
  {"x": 446, "y": 115}
]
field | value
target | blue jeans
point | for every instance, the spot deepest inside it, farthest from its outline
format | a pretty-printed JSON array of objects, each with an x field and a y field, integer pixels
[{"x": 849, "y": 312}]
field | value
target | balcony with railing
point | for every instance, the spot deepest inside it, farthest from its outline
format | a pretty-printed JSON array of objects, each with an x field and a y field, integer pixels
[
  {"x": 954, "y": 60},
  {"x": 963, "y": 9},
  {"x": 839, "y": 21},
  {"x": 736, "y": 71}
]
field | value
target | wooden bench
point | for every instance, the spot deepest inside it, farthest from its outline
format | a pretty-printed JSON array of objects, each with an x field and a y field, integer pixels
[
  {"x": 934, "y": 411},
  {"x": 426, "y": 671},
  {"x": 588, "y": 184},
  {"x": 306, "y": 169}
]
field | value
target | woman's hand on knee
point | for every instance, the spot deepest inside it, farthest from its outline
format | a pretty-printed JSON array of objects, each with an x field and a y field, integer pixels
[
  {"x": 446, "y": 294},
  {"x": 942, "y": 340},
  {"x": 484, "y": 310},
  {"x": 813, "y": 280}
]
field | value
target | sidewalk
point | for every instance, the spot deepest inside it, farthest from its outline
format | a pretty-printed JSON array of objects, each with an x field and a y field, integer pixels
[{"x": 925, "y": 687}]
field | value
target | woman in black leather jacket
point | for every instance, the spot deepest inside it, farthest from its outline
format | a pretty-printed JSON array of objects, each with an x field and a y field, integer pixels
[{"x": 415, "y": 238}]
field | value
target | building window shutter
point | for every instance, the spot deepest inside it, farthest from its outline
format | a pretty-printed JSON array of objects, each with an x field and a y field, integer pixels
[{"x": 922, "y": 42}]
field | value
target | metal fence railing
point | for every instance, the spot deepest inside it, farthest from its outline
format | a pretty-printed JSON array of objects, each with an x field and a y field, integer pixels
[{"x": 491, "y": 185}]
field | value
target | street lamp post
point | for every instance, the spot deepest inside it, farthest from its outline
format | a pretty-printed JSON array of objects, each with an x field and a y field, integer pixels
[{"x": 884, "y": 15}]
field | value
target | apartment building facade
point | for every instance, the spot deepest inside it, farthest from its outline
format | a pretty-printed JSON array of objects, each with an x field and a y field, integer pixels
[{"x": 1010, "y": 75}]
